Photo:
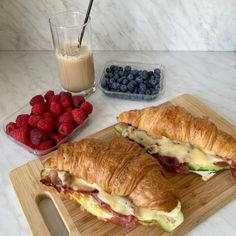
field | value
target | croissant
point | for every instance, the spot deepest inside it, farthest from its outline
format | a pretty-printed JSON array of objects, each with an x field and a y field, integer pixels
[
  {"x": 120, "y": 168},
  {"x": 176, "y": 123}
]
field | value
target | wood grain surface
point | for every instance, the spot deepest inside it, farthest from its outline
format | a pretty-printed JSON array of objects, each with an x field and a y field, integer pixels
[{"x": 199, "y": 199}]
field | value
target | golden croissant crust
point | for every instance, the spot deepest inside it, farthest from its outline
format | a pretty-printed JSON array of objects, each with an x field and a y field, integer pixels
[
  {"x": 120, "y": 167},
  {"x": 176, "y": 123}
]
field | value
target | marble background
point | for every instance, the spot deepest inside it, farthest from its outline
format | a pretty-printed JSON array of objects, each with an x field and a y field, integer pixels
[{"x": 126, "y": 24}]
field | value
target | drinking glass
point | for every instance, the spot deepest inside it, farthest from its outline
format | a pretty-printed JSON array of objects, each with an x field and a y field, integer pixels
[{"x": 74, "y": 57}]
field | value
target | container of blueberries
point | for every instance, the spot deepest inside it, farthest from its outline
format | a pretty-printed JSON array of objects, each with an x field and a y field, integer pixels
[{"x": 131, "y": 80}]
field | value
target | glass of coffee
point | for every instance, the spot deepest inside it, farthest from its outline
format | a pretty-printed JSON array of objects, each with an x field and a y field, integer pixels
[{"x": 74, "y": 58}]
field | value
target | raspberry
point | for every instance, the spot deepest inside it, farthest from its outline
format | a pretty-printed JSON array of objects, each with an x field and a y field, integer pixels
[
  {"x": 58, "y": 137},
  {"x": 48, "y": 95},
  {"x": 78, "y": 115},
  {"x": 22, "y": 120},
  {"x": 67, "y": 94},
  {"x": 55, "y": 98},
  {"x": 65, "y": 129},
  {"x": 38, "y": 109},
  {"x": 20, "y": 134},
  {"x": 78, "y": 100},
  {"x": 36, "y": 136},
  {"x": 65, "y": 101},
  {"x": 45, "y": 124},
  {"x": 36, "y": 99},
  {"x": 56, "y": 108},
  {"x": 33, "y": 120},
  {"x": 66, "y": 118},
  {"x": 45, "y": 145},
  {"x": 48, "y": 114},
  {"x": 87, "y": 107},
  {"x": 10, "y": 126}
]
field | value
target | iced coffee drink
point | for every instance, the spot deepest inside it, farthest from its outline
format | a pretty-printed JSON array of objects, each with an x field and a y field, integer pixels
[{"x": 76, "y": 69}]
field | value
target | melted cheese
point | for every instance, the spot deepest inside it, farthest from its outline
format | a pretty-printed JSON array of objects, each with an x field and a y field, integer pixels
[
  {"x": 182, "y": 151},
  {"x": 90, "y": 204},
  {"x": 119, "y": 204},
  {"x": 146, "y": 214}
]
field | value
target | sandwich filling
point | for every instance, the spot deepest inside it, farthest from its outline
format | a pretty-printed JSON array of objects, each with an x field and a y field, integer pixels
[
  {"x": 116, "y": 209},
  {"x": 177, "y": 156}
]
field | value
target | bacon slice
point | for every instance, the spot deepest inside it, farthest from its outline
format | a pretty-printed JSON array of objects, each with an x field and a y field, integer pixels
[
  {"x": 172, "y": 164},
  {"x": 53, "y": 180},
  {"x": 233, "y": 169},
  {"x": 221, "y": 163},
  {"x": 126, "y": 221}
]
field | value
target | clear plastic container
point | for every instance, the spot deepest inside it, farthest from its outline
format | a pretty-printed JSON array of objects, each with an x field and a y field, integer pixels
[
  {"x": 138, "y": 66},
  {"x": 26, "y": 110}
]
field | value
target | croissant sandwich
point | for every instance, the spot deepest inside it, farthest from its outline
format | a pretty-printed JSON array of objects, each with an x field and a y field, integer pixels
[
  {"x": 181, "y": 142},
  {"x": 116, "y": 181}
]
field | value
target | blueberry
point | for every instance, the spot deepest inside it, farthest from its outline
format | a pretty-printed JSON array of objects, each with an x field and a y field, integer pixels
[
  {"x": 103, "y": 83},
  {"x": 157, "y": 71},
  {"x": 145, "y": 74},
  {"x": 150, "y": 73},
  {"x": 112, "y": 67},
  {"x": 110, "y": 75},
  {"x": 108, "y": 70},
  {"x": 139, "y": 79},
  {"x": 119, "y": 80},
  {"x": 125, "y": 81},
  {"x": 121, "y": 73},
  {"x": 134, "y": 72},
  {"x": 115, "y": 86},
  {"x": 136, "y": 91},
  {"x": 111, "y": 81},
  {"x": 130, "y": 77},
  {"x": 142, "y": 88},
  {"x": 126, "y": 73},
  {"x": 123, "y": 88},
  {"x": 116, "y": 68},
  {"x": 157, "y": 76},
  {"x": 131, "y": 86},
  {"x": 116, "y": 76},
  {"x": 120, "y": 68},
  {"x": 148, "y": 92},
  {"x": 127, "y": 68},
  {"x": 106, "y": 76},
  {"x": 153, "y": 81}
]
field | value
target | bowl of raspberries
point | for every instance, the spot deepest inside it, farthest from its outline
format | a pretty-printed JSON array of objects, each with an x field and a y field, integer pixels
[
  {"x": 130, "y": 80},
  {"x": 47, "y": 121}
]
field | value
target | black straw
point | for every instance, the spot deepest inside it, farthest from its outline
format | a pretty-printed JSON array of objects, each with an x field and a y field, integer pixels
[{"x": 85, "y": 21}]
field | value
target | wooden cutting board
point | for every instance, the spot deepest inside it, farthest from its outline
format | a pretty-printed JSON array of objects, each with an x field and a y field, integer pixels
[{"x": 199, "y": 199}]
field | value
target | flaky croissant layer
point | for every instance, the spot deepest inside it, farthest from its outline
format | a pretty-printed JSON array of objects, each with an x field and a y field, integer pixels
[{"x": 176, "y": 123}]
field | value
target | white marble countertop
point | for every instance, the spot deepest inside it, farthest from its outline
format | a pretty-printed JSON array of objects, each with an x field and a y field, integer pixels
[{"x": 210, "y": 76}]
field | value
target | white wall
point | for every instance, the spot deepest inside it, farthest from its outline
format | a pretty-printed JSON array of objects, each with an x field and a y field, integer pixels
[{"x": 126, "y": 24}]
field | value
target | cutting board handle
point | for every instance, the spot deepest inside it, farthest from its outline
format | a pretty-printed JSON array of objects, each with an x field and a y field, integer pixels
[{"x": 63, "y": 213}]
